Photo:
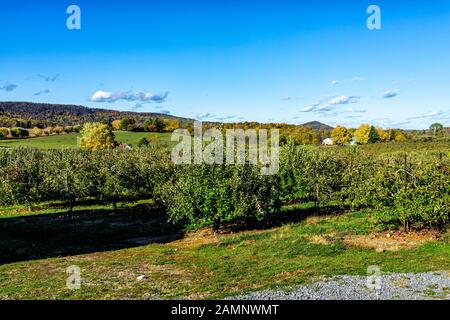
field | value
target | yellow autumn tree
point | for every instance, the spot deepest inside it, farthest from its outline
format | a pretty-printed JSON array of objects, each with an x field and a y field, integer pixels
[
  {"x": 116, "y": 124},
  {"x": 171, "y": 125},
  {"x": 97, "y": 136},
  {"x": 399, "y": 136},
  {"x": 3, "y": 133},
  {"x": 37, "y": 132},
  {"x": 382, "y": 134},
  {"x": 366, "y": 134},
  {"x": 341, "y": 135},
  {"x": 58, "y": 129}
]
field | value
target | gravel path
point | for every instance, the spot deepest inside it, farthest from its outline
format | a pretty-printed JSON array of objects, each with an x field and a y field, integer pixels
[{"x": 408, "y": 286}]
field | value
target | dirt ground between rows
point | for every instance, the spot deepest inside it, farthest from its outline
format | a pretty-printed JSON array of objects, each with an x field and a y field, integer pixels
[
  {"x": 392, "y": 240},
  {"x": 385, "y": 241}
]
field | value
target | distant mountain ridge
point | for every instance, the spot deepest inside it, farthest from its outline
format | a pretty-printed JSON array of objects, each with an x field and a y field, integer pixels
[
  {"x": 316, "y": 125},
  {"x": 33, "y": 108},
  {"x": 32, "y": 113}
]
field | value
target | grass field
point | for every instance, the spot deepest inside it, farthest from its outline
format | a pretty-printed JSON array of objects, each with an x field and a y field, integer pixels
[
  {"x": 163, "y": 140},
  {"x": 112, "y": 249},
  {"x": 70, "y": 140}
]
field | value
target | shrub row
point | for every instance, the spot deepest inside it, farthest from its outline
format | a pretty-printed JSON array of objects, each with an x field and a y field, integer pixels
[
  {"x": 196, "y": 193},
  {"x": 404, "y": 189},
  {"x": 213, "y": 193},
  {"x": 29, "y": 176}
]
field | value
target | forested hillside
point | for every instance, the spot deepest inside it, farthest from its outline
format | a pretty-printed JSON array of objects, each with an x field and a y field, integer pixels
[{"x": 30, "y": 115}]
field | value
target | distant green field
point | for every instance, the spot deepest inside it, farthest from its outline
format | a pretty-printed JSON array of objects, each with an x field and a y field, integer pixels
[
  {"x": 163, "y": 140},
  {"x": 70, "y": 140}
]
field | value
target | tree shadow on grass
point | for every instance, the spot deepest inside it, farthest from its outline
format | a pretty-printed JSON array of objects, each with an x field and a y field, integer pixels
[{"x": 65, "y": 234}]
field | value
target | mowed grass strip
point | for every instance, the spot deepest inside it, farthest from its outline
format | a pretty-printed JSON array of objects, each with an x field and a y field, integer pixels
[
  {"x": 163, "y": 139},
  {"x": 70, "y": 140},
  {"x": 204, "y": 266},
  {"x": 47, "y": 142}
]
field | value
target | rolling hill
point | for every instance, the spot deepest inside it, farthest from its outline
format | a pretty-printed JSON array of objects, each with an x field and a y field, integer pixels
[
  {"x": 316, "y": 125},
  {"x": 31, "y": 114}
]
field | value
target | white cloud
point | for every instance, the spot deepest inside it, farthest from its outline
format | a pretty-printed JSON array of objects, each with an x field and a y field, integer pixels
[
  {"x": 389, "y": 94},
  {"x": 437, "y": 114},
  {"x": 101, "y": 96},
  {"x": 344, "y": 100},
  {"x": 224, "y": 118},
  {"x": 310, "y": 108},
  {"x": 331, "y": 104},
  {"x": 325, "y": 107},
  {"x": 352, "y": 117},
  {"x": 104, "y": 96},
  {"x": 355, "y": 110},
  {"x": 9, "y": 87},
  {"x": 41, "y": 92},
  {"x": 288, "y": 98},
  {"x": 433, "y": 114},
  {"x": 317, "y": 107},
  {"x": 334, "y": 82},
  {"x": 205, "y": 116},
  {"x": 49, "y": 78}
]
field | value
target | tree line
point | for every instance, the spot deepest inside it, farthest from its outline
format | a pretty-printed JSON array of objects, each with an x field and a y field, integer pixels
[{"x": 408, "y": 190}]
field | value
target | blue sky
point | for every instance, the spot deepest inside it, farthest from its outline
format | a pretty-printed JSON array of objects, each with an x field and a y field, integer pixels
[{"x": 283, "y": 61}]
